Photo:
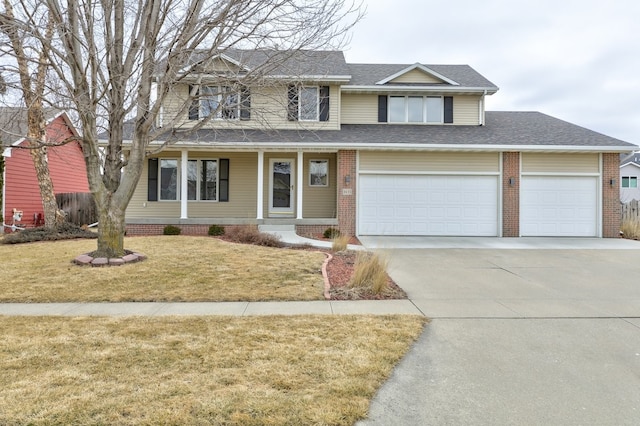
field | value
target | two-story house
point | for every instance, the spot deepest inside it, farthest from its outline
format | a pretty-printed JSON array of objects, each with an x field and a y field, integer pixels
[{"x": 374, "y": 149}]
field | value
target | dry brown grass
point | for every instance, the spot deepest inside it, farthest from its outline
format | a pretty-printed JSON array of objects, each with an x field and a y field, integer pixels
[
  {"x": 178, "y": 269},
  {"x": 340, "y": 242},
  {"x": 319, "y": 370},
  {"x": 370, "y": 270},
  {"x": 630, "y": 229}
]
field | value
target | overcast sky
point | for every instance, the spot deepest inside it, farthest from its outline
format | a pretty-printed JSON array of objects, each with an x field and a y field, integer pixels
[{"x": 577, "y": 60}]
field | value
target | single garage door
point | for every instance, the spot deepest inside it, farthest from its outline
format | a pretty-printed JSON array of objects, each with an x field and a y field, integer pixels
[
  {"x": 559, "y": 206},
  {"x": 428, "y": 205}
]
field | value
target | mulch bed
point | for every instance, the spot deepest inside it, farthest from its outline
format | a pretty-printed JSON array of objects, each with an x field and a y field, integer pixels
[{"x": 339, "y": 271}]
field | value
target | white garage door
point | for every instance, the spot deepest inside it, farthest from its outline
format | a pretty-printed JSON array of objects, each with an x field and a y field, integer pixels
[
  {"x": 559, "y": 206},
  {"x": 428, "y": 205}
]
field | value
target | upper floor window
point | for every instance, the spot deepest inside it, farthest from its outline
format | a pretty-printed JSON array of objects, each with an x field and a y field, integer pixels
[
  {"x": 220, "y": 102},
  {"x": 629, "y": 181},
  {"x": 308, "y": 103},
  {"x": 415, "y": 109}
]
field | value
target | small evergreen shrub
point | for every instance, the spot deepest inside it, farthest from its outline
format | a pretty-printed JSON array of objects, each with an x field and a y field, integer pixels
[
  {"x": 171, "y": 230},
  {"x": 66, "y": 231},
  {"x": 331, "y": 233},
  {"x": 216, "y": 230}
]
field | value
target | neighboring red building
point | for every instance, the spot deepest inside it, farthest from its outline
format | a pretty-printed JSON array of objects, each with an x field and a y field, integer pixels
[{"x": 66, "y": 166}]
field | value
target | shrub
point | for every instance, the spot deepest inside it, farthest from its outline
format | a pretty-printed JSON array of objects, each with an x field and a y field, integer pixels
[
  {"x": 370, "y": 271},
  {"x": 66, "y": 231},
  {"x": 216, "y": 230},
  {"x": 630, "y": 229},
  {"x": 171, "y": 230},
  {"x": 251, "y": 235},
  {"x": 331, "y": 233},
  {"x": 340, "y": 242}
]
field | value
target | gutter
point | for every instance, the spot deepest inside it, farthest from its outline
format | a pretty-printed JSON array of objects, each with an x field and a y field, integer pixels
[{"x": 435, "y": 89}]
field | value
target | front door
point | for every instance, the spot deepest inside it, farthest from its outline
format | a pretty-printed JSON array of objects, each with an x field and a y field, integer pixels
[{"x": 281, "y": 188}]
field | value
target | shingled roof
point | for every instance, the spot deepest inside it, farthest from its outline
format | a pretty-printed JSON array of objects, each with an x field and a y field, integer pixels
[{"x": 502, "y": 131}]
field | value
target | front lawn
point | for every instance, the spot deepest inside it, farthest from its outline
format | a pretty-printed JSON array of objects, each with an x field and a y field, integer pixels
[
  {"x": 303, "y": 370},
  {"x": 179, "y": 269}
]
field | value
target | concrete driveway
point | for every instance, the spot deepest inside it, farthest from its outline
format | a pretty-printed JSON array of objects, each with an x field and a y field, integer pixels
[{"x": 524, "y": 332}]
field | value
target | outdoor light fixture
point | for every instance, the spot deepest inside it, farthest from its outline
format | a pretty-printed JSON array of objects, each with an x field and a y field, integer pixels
[
  {"x": 612, "y": 182},
  {"x": 347, "y": 179},
  {"x": 512, "y": 181}
]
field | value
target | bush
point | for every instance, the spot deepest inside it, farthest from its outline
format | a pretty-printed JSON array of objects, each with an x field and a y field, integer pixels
[
  {"x": 251, "y": 235},
  {"x": 331, "y": 233},
  {"x": 66, "y": 231},
  {"x": 171, "y": 230},
  {"x": 340, "y": 242},
  {"x": 216, "y": 230},
  {"x": 370, "y": 271},
  {"x": 630, "y": 229}
]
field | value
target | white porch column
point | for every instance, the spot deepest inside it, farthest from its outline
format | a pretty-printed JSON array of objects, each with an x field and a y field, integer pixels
[
  {"x": 184, "y": 188},
  {"x": 260, "y": 197},
  {"x": 300, "y": 179}
]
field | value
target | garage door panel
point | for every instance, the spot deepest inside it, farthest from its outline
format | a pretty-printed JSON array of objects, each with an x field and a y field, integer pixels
[
  {"x": 559, "y": 206},
  {"x": 428, "y": 205}
]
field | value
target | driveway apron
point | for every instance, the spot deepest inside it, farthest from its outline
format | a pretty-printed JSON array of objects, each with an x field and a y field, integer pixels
[{"x": 519, "y": 335}]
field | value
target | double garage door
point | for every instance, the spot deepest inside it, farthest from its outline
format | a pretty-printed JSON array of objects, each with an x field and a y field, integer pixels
[
  {"x": 428, "y": 205},
  {"x": 443, "y": 204}
]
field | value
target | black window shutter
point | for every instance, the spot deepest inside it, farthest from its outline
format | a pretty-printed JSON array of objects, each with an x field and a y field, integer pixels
[
  {"x": 245, "y": 104},
  {"x": 382, "y": 109},
  {"x": 194, "y": 108},
  {"x": 324, "y": 103},
  {"x": 152, "y": 180},
  {"x": 448, "y": 109},
  {"x": 223, "y": 190},
  {"x": 292, "y": 103}
]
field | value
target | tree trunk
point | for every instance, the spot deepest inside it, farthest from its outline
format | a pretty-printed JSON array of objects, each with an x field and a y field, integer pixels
[
  {"x": 110, "y": 231},
  {"x": 53, "y": 216}
]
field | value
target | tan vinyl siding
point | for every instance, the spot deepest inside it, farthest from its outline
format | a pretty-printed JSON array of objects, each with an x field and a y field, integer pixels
[
  {"x": 268, "y": 110},
  {"x": 466, "y": 110},
  {"x": 319, "y": 202},
  {"x": 242, "y": 192},
  {"x": 359, "y": 109},
  {"x": 422, "y": 162},
  {"x": 560, "y": 163},
  {"x": 363, "y": 109},
  {"x": 416, "y": 76}
]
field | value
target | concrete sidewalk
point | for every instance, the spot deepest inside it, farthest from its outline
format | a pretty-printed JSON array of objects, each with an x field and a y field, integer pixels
[{"x": 320, "y": 307}]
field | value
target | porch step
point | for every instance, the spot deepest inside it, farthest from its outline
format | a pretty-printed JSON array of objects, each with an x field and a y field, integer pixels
[{"x": 276, "y": 228}]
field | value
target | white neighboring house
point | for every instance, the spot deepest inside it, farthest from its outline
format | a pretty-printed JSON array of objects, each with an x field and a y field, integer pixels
[{"x": 629, "y": 177}]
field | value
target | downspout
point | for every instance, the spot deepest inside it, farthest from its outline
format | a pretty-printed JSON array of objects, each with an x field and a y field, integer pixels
[{"x": 481, "y": 108}]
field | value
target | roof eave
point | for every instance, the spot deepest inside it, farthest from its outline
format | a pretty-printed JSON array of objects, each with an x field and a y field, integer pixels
[{"x": 448, "y": 89}]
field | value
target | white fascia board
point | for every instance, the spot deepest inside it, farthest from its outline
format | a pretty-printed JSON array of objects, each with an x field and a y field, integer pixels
[
  {"x": 6, "y": 152},
  {"x": 220, "y": 55},
  {"x": 422, "y": 68},
  {"x": 309, "y": 77},
  {"x": 391, "y": 89},
  {"x": 334, "y": 146},
  {"x": 630, "y": 164}
]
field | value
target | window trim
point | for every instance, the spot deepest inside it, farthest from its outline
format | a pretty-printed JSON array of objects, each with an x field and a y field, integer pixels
[
  {"x": 426, "y": 117},
  {"x": 199, "y": 162},
  {"x": 295, "y": 103},
  {"x": 319, "y": 160},
  {"x": 630, "y": 179},
  {"x": 220, "y": 94}
]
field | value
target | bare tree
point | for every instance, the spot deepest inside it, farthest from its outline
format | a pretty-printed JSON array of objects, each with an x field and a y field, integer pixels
[
  {"x": 32, "y": 68},
  {"x": 110, "y": 55}
]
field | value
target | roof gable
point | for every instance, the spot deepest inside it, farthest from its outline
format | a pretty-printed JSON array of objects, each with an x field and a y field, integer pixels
[{"x": 417, "y": 73}]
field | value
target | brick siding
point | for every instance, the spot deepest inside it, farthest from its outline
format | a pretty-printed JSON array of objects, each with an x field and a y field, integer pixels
[
  {"x": 611, "y": 196},
  {"x": 510, "y": 194},
  {"x": 347, "y": 192}
]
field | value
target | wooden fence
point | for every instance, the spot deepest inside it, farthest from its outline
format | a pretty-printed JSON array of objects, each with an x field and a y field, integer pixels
[
  {"x": 79, "y": 207},
  {"x": 631, "y": 210}
]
